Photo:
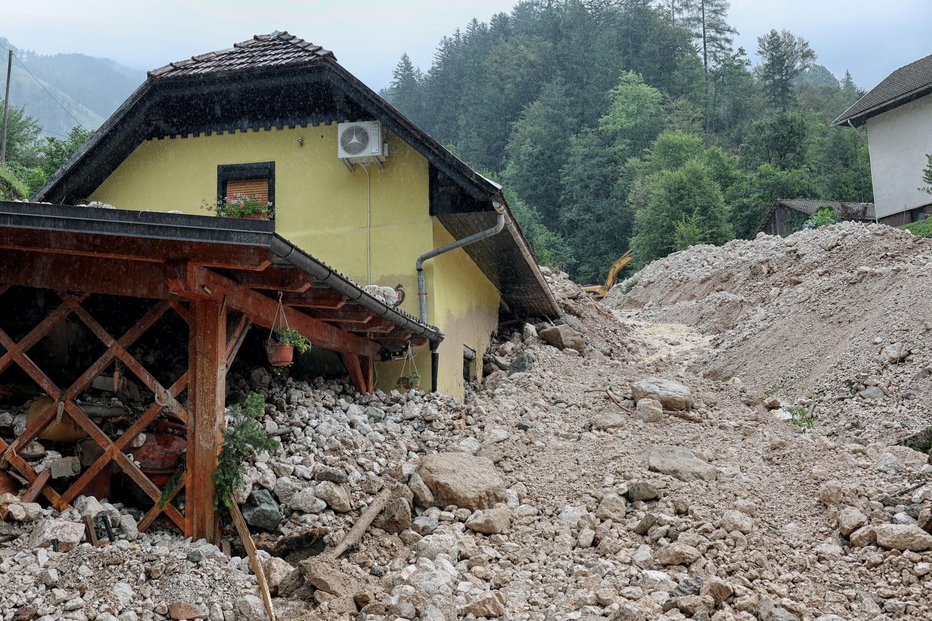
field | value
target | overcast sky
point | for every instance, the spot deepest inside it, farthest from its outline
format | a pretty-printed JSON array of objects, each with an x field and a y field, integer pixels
[{"x": 868, "y": 37}]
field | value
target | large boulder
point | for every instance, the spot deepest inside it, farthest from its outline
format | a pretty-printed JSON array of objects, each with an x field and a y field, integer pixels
[
  {"x": 678, "y": 462},
  {"x": 463, "y": 480},
  {"x": 671, "y": 395},
  {"x": 260, "y": 511},
  {"x": 903, "y": 537},
  {"x": 67, "y": 534},
  {"x": 563, "y": 337}
]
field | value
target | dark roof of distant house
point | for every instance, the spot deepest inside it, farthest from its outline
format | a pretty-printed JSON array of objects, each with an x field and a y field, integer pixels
[
  {"x": 902, "y": 86},
  {"x": 268, "y": 50},
  {"x": 845, "y": 210},
  {"x": 279, "y": 80}
]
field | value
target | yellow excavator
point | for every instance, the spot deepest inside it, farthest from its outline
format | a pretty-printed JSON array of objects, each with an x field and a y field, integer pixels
[{"x": 599, "y": 291}]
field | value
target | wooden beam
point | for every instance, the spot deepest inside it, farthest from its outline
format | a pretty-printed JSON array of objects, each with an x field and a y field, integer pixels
[
  {"x": 276, "y": 279},
  {"x": 133, "y": 248},
  {"x": 376, "y": 326},
  {"x": 347, "y": 314},
  {"x": 263, "y": 311},
  {"x": 207, "y": 365},
  {"x": 315, "y": 298},
  {"x": 138, "y": 279}
]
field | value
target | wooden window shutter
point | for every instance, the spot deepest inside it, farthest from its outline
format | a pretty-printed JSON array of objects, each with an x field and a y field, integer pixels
[{"x": 249, "y": 187}]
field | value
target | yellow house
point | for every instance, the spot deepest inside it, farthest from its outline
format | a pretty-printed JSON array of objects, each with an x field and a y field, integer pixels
[{"x": 278, "y": 116}]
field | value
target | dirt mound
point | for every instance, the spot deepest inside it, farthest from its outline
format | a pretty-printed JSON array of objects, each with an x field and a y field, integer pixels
[{"x": 837, "y": 318}]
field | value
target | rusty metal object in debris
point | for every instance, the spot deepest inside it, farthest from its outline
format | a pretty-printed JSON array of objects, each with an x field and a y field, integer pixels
[
  {"x": 61, "y": 429},
  {"x": 161, "y": 455}
]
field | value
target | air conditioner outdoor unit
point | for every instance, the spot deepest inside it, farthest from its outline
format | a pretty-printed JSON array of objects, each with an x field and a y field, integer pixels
[{"x": 361, "y": 142}]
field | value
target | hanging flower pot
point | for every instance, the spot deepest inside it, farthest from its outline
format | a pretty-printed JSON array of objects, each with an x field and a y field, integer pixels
[
  {"x": 280, "y": 354},
  {"x": 284, "y": 340}
]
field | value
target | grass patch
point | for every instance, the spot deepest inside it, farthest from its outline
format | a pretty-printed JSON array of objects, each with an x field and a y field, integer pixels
[
  {"x": 922, "y": 228},
  {"x": 800, "y": 417},
  {"x": 10, "y": 186}
]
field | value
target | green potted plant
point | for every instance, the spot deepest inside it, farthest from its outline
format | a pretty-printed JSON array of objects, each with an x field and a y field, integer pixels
[
  {"x": 249, "y": 206},
  {"x": 409, "y": 381},
  {"x": 281, "y": 346}
]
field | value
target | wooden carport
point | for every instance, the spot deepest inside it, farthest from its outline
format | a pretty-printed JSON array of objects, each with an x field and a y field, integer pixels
[{"x": 220, "y": 276}]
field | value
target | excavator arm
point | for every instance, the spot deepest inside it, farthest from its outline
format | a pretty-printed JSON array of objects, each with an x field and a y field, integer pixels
[{"x": 599, "y": 291}]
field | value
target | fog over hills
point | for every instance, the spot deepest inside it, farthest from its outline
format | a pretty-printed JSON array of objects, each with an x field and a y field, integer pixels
[{"x": 89, "y": 89}]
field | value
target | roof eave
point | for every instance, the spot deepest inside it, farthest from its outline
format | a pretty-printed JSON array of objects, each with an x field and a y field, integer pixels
[{"x": 860, "y": 118}]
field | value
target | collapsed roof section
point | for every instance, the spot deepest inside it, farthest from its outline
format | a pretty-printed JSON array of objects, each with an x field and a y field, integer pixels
[{"x": 278, "y": 80}]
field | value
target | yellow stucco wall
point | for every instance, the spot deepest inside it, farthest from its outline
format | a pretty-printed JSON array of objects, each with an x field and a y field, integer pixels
[{"x": 323, "y": 208}]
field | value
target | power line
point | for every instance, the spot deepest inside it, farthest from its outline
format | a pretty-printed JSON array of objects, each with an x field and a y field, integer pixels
[{"x": 47, "y": 92}]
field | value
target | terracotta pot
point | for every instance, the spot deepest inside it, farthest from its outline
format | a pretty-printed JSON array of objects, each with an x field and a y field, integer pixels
[
  {"x": 255, "y": 216},
  {"x": 280, "y": 354}
]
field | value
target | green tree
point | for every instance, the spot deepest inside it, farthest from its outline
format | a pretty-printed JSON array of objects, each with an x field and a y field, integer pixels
[
  {"x": 55, "y": 152},
  {"x": 687, "y": 200},
  {"x": 634, "y": 116},
  {"x": 537, "y": 149},
  {"x": 594, "y": 217},
  {"x": 784, "y": 56},
  {"x": 22, "y": 137},
  {"x": 404, "y": 92},
  {"x": 549, "y": 248},
  {"x": 778, "y": 139}
]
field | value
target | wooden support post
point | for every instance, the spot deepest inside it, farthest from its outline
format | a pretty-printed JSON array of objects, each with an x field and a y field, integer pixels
[
  {"x": 368, "y": 373},
  {"x": 355, "y": 372},
  {"x": 207, "y": 354}
]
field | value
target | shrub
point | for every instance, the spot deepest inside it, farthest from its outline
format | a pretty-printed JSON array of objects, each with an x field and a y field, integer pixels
[{"x": 243, "y": 437}]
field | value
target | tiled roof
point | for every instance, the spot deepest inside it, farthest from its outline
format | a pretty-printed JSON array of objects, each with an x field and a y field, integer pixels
[
  {"x": 906, "y": 83},
  {"x": 268, "y": 50}
]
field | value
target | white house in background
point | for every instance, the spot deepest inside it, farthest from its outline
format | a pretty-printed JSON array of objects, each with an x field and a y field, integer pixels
[{"x": 898, "y": 115}]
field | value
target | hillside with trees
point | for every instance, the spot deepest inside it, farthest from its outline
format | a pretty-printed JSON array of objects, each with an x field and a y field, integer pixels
[{"x": 630, "y": 123}]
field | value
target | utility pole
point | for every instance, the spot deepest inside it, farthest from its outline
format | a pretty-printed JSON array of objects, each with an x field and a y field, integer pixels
[{"x": 6, "y": 106}]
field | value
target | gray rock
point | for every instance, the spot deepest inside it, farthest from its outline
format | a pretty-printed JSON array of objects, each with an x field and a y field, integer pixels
[
  {"x": 395, "y": 517},
  {"x": 903, "y": 537},
  {"x": 672, "y": 395},
  {"x": 490, "y": 521},
  {"x": 334, "y": 495},
  {"x": 612, "y": 507},
  {"x": 737, "y": 521},
  {"x": 463, "y": 480},
  {"x": 67, "y": 534},
  {"x": 306, "y": 501},
  {"x": 260, "y": 511},
  {"x": 563, "y": 337},
  {"x": 849, "y": 520},
  {"x": 608, "y": 420},
  {"x": 325, "y": 473},
  {"x": 677, "y": 553},
  {"x": 423, "y": 497},
  {"x": 872, "y": 393},
  {"x": 642, "y": 490},
  {"x": 524, "y": 361},
  {"x": 649, "y": 410},
  {"x": 679, "y": 462},
  {"x": 431, "y": 546}
]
